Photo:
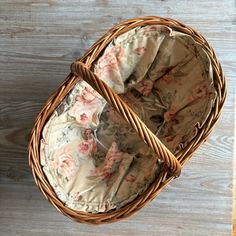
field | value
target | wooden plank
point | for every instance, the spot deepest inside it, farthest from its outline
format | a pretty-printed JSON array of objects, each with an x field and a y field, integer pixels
[{"x": 38, "y": 42}]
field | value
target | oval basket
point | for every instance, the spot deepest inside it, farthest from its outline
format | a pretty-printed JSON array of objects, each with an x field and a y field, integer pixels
[{"x": 173, "y": 164}]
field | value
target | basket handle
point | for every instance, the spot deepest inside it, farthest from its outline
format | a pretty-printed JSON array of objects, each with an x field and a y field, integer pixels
[{"x": 79, "y": 69}]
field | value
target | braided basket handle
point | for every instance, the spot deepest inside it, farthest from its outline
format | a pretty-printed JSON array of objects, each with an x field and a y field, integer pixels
[{"x": 79, "y": 69}]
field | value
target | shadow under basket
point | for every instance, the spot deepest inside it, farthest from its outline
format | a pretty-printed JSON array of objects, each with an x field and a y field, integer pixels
[{"x": 126, "y": 119}]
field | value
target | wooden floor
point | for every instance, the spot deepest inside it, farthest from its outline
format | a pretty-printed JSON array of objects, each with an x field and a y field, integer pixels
[{"x": 38, "y": 42}]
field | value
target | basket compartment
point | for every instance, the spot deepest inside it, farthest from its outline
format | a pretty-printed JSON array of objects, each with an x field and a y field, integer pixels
[{"x": 93, "y": 160}]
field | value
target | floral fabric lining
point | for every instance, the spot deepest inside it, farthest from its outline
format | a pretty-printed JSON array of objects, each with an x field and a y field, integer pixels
[{"x": 96, "y": 162}]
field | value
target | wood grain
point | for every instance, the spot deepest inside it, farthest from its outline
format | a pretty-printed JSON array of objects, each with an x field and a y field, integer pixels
[{"x": 38, "y": 42}]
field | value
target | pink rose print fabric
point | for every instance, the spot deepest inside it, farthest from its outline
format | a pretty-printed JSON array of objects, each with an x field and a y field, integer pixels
[
  {"x": 110, "y": 61},
  {"x": 113, "y": 157},
  {"x": 93, "y": 159},
  {"x": 86, "y": 107},
  {"x": 65, "y": 165}
]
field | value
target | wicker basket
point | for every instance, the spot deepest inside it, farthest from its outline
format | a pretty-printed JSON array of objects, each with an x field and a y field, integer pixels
[{"x": 173, "y": 164}]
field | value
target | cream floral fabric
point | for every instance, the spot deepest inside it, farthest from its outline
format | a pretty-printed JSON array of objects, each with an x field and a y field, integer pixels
[{"x": 93, "y": 160}]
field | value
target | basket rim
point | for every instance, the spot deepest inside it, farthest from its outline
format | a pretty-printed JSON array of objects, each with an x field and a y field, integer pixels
[{"x": 163, "y": 178}]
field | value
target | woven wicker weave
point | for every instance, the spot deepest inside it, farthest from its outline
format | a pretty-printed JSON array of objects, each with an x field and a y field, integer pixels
[{"x": 173, "y": 165}]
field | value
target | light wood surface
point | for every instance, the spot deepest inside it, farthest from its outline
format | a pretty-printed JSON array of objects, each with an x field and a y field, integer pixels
[{"x": 38, "y": 42}]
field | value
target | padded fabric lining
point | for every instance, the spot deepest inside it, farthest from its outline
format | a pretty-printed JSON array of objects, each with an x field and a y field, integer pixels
[{"x": 96, "y": 162}]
